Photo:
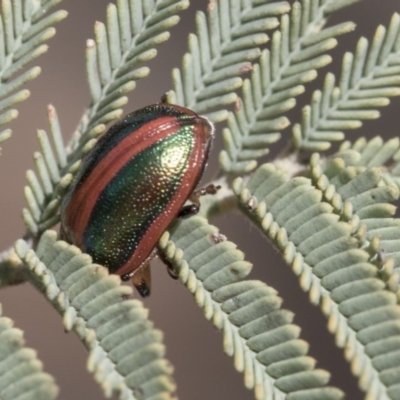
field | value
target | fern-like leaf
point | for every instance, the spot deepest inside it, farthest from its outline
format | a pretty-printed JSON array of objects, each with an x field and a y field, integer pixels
[
  {"x": 368, "y": 78},
  {"x": 24, "y": 28},
  {"x": 376, "y": 153},
  {"x": 364, "y": 201},
  {"x": 44, "y": 189},
  {"x": 227, "y": 40},
  {"x": 126, "y": 352},
  {"x": 258, "y": 333},
  {"x": 298, "y": 49},
  {"x": 4, "y": 135},
  {"x": 21, "y": 373},
  {"x": 11, "y": 268},
  {"x": 326, "y": 255},
  {"x": 114, "y": 60}
]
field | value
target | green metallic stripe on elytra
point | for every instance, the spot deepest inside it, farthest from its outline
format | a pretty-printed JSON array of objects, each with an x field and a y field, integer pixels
[
  {"x": 135, "y": 197},
  {"x": 119, "y": 131}
]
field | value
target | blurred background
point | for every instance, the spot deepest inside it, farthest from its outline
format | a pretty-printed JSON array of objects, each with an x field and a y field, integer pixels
[{"x": 194, "y": 346}]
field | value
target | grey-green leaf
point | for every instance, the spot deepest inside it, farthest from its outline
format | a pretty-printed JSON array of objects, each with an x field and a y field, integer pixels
[
  {"x": 21, "y": 372},
  {"x": 297, "y": 51},
  {"x": 126, "y": 352},
  {"x": 258, "y": 333},
  {"x": 366, "y": 82},
  {"x": 351, "y": 285}
]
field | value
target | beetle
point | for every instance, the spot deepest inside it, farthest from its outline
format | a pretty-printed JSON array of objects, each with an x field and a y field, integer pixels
[{"x": 133, "y": 184}]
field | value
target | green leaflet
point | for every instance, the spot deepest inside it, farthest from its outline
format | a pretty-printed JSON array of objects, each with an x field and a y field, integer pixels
[
  {"x": 23, "y": 31},
  {"x": 226, "y": 43},
  {"x": 21, "y": 373},
  {"x": 365, "y": 204},
  {"x": 11, "y": 270},
  {"x": 126, "y": 352},
  {"x": 376, "y": 153},
  {"x": 114, "y": 60},
  {"x": 44, "y": 188},
  {"x": 297, "y": 50},
  {"x": 368, "y": 78},
  {"x": 5, "y": 134},
  {"x": 326, "y": 255},
  {"x": 258, "y": 333}
]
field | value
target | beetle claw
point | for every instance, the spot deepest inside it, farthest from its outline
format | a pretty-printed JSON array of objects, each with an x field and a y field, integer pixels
[
  {"x": 194, "y": 208},
  {"x": 143, "y": 289},
  {"x": 189, "y": 210},
  {"x": 141, "y": 279}
]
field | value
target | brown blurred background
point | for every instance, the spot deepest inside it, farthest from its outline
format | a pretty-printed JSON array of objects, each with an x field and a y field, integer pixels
[{"x": 203, "y": 371}]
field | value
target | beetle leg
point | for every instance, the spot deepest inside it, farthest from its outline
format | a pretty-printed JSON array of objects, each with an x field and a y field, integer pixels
[
  {"x": 189, "y": 210},
  {"x": 164, "y": 97},
  {"x": 170, "y": 268},
  {"x": 172, "y": 273},
  {"x": 141, "y": 277},
  {"x": 194, "y": 208}
]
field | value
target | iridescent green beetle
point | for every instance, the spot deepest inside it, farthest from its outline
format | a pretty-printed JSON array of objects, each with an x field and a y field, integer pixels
[{"x": 133, "y": 184}]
